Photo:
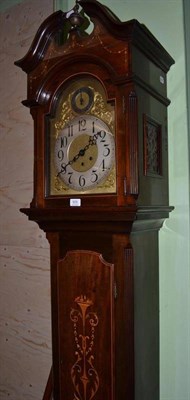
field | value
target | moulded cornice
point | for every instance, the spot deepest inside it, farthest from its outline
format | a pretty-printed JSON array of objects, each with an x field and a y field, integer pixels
[
  {"x": 41, "y": 41},
  {"x": 132, "y": 31}
]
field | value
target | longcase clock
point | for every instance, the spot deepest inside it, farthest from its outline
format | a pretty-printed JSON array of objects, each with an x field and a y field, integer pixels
[{"x": 99, "y": 105}]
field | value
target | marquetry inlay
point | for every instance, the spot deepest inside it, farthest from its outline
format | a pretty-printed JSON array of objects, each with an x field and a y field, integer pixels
[{"x": 83, "y": 373}]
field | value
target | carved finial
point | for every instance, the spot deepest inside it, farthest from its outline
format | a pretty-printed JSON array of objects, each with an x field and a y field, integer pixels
[{"x": 75, "y": 18}]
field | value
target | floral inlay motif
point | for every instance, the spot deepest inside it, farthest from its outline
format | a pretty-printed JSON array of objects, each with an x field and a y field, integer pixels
[{"x": 83, "y": 373}]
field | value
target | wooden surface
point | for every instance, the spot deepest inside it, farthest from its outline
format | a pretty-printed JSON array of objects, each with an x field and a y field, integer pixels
[
  {"x": 25, "y": 338},
  {"x": 86, "y": 326}
]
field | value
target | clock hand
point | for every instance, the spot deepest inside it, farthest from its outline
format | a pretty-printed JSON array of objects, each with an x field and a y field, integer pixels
[
  {"x": 81, "y": 153},
  {"x": 92, "y": 141},
  {"x": 81, "y": 99}
]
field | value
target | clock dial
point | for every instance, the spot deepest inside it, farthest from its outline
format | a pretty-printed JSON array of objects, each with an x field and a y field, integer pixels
[
  {"x": 82, "y": 99},
  {"x": 84, "y": 153},
  {"x": 81, "y": 152}
]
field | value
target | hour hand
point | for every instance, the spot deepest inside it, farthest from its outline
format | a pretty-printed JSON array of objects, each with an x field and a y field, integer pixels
[
  {"x": 63, "y": 169},
  {"x": 81, "y": 153}
]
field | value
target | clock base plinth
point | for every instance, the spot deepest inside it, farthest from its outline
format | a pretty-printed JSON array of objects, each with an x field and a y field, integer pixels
[{"x": 131, "y": 245}]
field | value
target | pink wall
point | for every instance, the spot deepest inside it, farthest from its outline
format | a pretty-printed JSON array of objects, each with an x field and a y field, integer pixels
[{"x": 25, "y": 339}]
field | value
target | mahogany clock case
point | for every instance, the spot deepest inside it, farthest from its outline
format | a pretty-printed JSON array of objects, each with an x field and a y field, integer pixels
[{"x": 102, "y": 226}]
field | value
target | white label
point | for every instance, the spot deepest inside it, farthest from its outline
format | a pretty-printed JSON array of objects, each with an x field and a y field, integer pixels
[
  {"x": 75, "y": 202},
  {"x": 161, "y": 79}
]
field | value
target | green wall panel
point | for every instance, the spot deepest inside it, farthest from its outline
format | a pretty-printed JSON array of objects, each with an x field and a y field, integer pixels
[{"x": 61, "y": 5}]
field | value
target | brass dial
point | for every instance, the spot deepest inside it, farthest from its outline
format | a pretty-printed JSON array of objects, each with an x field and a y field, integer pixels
[
  {"x": 82, "y": 141},
  {"x": 87, "y": 155},
  {"x": 82, "y": 99}
]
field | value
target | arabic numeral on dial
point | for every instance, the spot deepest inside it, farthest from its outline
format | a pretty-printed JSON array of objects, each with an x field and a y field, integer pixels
[
  {"x": 93, "y": 127},
  {"x": 63, "y": 168},
  {"x": 63, "y": 141},
  {"x": 102, "y": 135},
  {"x": 82, "y": 125},
  {"x": 103, "y": 165},
  {"x": 94, "y": 176},
  {"x": 106, "y": 151},
  {"x": 60, "y": 155},
  {"x": 70, "y": 130},
  {"x": 70, "y": 177},
  {"x": 82, "y": 181}
]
